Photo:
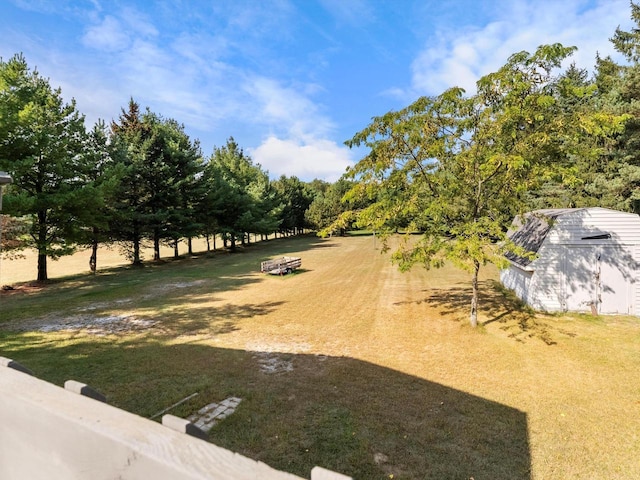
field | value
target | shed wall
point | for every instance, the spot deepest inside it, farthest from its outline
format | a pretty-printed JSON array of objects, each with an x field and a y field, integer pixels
[
  {"x": 518, "y": 280},
  {"x": 636, "y": 286},
  {"x": 571, "y": 228},
  {"x": 576, "y": 273},
  {"x": 546, "y": 291}
]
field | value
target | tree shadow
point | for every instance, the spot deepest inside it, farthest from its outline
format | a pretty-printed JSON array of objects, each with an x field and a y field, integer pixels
[
  {"x": 344, "y": 414},
  {"x": 165, "y": 284},
  {"x": 211, "y": 321},
  {"x": 245, "y": 260},
  {"x": 496, "y": 304}
]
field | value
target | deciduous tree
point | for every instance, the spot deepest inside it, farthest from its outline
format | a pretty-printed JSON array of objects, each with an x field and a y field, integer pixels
[{"x": 458, "y": 167}]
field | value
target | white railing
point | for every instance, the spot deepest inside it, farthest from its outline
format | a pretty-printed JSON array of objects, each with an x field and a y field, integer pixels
[{"x": 53, "y": 433}]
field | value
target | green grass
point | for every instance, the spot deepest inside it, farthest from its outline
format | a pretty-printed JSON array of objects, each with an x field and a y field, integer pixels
[{"x": 386, "y": 377}]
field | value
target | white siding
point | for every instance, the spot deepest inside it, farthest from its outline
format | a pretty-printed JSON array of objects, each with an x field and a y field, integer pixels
[
  {"x": 579, "y": 267},
  {"x": 547, "y": 288},
  {"x": 570, "y": 228},
  {"x": 636, "y": 285},
  {"x": 518, "y": 280},
  {"x": 615, "y": 288},
  {"x": 575, "y": 273}
]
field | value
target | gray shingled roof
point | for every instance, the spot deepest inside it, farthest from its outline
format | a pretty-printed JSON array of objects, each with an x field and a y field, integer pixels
[{"x": 531, "y": 233}]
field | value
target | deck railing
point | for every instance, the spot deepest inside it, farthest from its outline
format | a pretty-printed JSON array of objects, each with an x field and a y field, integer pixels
[{"x": 50, "y": 433}]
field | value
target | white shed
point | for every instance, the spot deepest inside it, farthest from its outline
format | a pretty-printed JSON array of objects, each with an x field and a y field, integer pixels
[{"x": 587, "y": 260}]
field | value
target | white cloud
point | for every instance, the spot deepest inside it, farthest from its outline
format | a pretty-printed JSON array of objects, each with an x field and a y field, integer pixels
[
  {"x": 298, "y": 143},
  {"x": 108, "y": 35},
  {"x": 316, "y": 158},
  {"x": 115, "y": 33},
  {"x": 460, "y": 57},
  {"x": 191, "y": 83},
  {"x": 287, "y": 109},
  {"x": 138, "y": 22}
]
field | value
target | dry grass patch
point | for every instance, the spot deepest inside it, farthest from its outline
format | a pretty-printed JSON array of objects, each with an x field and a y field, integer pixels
[{"x": 350, "y": 364}]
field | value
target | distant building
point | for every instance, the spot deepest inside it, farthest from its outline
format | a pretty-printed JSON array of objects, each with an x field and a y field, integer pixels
[{"x": 587, "y": 260}]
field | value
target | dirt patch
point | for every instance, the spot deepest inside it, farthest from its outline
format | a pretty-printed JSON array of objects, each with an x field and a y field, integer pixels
[
  {"x": 275, "y": 357},
  {"x": 278, "y": 347},
  {"x": 100, "y": 325},
  {"x": 104, "y": 305},
  {"x": 176, "y": 285},
  {"x": 273, "y": 363},
  {"x": 21, "y": 289}
]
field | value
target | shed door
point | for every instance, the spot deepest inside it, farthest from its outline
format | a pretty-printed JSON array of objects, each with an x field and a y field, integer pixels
[
  {"x": 580, "y": 278},
  {"x": 616, "y": 282}
]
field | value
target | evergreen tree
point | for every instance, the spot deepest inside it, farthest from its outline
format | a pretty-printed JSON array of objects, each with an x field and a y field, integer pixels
[
  {"x": 42, "y": 147},
  {"x": 241, "y": 194},
  {"x": 158, "y": 190},
  {"x": 621, "y": 174},
  {"x": 129, "y": 224},
  {"x": 103, "y": 177},
  {"x": 181, "y": 189},
  {"x": 295, "y": 197}
]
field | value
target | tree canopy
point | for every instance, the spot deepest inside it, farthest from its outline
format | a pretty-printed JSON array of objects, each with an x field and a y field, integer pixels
[
  {"x": 241, "y": 194},
  {"x": 457, "y": 168},
  {"x": 43, "y": 147}
]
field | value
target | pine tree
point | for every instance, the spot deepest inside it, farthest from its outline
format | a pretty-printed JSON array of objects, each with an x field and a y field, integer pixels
[{"x": 43, "y": 149}]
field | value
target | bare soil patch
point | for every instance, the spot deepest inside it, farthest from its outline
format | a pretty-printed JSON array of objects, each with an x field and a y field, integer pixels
[{"x": 91, "y": 324}]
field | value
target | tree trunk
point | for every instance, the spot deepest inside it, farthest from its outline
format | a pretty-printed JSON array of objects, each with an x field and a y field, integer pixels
[
  {"x": 136, "y": 245},
  {"x": 190, "y": 244},
  {"x": 175, "y": 249},
  {"x": 214, "y": 241},
  {"x": 208, "y": 242},
  {"x": 42, "y": 248},
  {"x": 156, "y": 244},
  {"x": 93, "y": 260},
  {"x": 42, "y": 267},
  {"x": 474, "y": 299}
]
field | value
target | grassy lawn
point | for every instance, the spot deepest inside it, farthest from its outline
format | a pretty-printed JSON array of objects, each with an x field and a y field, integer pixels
[{"x": 347, "y": 363}]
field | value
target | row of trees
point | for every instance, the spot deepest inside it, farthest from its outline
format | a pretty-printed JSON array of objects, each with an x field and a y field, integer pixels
[
  {"x": 455, "y": 167},
  {"x": 458, "y": 167},
  {"x": 139, "y": 180}
]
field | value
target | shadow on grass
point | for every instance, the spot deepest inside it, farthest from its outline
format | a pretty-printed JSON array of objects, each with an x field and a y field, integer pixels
[
  {"x": 495, "y": 302},
  {"x": 172, "y": 282},
  {"x": 211, "y": 321},
  {"x": 282, "y": 246},
  {"x": 351, "y": 416}
]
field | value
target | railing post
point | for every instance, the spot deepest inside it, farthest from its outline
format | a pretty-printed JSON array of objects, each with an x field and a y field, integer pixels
[{"x": 319, "y": 473}]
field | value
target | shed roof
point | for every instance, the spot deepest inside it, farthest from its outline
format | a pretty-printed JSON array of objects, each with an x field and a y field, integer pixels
[{"x": 530, "y": 230}]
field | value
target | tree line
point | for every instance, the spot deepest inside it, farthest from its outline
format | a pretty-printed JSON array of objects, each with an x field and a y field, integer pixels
[
  {"x": 457, "y": 168},
  {"x": 140, "y": 180}
]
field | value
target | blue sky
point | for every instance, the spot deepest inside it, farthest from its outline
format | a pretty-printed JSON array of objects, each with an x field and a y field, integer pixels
[{"x": 290, "y": 80}]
